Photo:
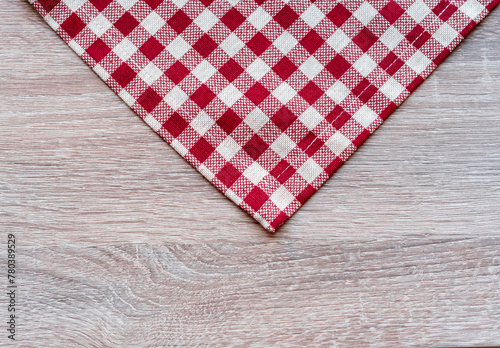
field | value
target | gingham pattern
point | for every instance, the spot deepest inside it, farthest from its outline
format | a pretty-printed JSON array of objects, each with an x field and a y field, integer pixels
[{"x": 266, "y": 98}]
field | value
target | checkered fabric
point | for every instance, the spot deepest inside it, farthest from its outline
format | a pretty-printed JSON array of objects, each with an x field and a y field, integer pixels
[{"x": 265, "y": 98}]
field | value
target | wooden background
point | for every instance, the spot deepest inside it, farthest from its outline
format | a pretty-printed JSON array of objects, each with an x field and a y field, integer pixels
[{"x": 122, "y": 243}]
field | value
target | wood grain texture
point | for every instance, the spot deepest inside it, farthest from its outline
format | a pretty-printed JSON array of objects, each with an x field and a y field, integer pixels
[
  {"x": 122, "y": 243},
  {"x": 77, "y": 163},
  {"x": 416, "y": 293}
]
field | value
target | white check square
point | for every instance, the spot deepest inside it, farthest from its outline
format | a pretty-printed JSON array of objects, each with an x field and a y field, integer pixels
[
  {"x": 204, "y": 71},
  {"x": 283, "y": 145},
  {"x": 232, "y": 45},
  {"x": 285, "y": 42},
  {"x": 365, "y": 116},
  {"x": 312, "y": 16},
  {"x": 338, "y": 143},
  {"x": 256, "y": 119},
  {"x": 311, "y": 118},
  {"x": 338, "y": 92},
  {"x": 284, "y": 92},
  {"x": 206, "y": 20},
  {"x": 282, "y": 197},
  {"x": 311, "y": 67},
  {"x": 176, "y": 97},
  {"x": 310, "y": 170},
  {"x": 259, "y": 18},
  {"x": 125, "y": 49},
  {"x": 228, "y": 148},
  {"x": 150, "y": 73},
  {"x": 202, "y": 123},
  {"x": 178, "y": 47},
  {"x": 258, "y": 69},
  {"x": 230, "y": 95},
  {"x": 255, "y": 173},
  {"x": 99, "y": 25},
  {"x": 152, "y": 23},
  {"x": 365, "y": 13}
]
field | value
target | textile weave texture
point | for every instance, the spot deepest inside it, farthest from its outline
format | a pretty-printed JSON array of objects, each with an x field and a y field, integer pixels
[{"x": 265, "y": 98}]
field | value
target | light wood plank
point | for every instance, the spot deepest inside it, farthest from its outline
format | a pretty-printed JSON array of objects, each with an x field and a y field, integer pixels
[{"x": 414, "y": 293}]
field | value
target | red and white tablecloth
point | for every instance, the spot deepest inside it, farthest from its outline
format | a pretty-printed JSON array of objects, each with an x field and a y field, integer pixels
[{"x": 265, "y": 98}]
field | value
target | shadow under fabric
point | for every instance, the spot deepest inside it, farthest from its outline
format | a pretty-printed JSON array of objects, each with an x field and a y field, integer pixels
[{"x": 265, "y": 98}]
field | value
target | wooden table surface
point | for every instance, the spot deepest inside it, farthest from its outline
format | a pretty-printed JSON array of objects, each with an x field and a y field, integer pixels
[{"x": 122, "y": 244}]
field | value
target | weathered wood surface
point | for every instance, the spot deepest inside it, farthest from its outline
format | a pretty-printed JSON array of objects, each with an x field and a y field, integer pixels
[
  {"x": 349, "y": 294},
  {"x": 124, "y": 244}
]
